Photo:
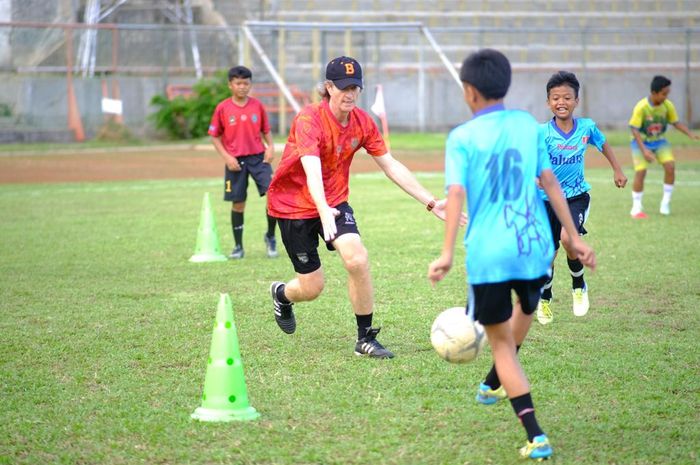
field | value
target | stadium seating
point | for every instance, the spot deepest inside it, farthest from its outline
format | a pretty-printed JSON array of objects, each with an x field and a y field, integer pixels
[{"x": 546, "y": 25}]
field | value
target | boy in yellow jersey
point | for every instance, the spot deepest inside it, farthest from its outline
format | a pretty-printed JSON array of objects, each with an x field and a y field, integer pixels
[{"x": 648, "y": 123}]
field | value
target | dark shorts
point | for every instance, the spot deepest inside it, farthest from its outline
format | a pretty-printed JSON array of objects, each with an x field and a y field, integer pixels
[
  {"x": 492, "y": 303},
  {"x": 300, "y": 237},
  {"x": 578, "y": 206},
  {"x": 236, "y": 182}
]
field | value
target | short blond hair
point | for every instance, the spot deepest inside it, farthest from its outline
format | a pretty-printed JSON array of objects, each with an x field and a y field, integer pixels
[{"x": 321, "y": 89}]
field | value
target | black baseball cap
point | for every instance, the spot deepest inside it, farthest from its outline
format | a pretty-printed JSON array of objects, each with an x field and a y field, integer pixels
[{"x": 344, "y": 71}]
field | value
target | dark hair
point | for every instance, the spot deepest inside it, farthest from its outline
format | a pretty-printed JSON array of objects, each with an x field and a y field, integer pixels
[
  {"x": 659, "y": 82},
  {"x": 240, "y": 72},
  {"x": 488, "y": 71},
  {"x": 563, "y": 78}
]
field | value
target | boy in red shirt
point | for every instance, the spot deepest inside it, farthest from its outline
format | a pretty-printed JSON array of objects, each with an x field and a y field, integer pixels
[{"x": 237, "y": 128}]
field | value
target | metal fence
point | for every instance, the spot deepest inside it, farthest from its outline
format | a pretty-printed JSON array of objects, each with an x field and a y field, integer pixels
[{"x": 56, "y": 75}]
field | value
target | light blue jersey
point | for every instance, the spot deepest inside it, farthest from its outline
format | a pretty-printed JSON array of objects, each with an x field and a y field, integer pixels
[
  {"x": 566, "y": 153},
  {"x": 496, "y": 157}
]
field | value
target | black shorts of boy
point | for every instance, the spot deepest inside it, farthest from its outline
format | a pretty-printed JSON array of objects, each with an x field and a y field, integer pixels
[
  {"x": 578, "y": 206},
  {"x": 492, "y": 303},
  {"x": 300, "y": 237},
  {"x": 236, "y": 182}
]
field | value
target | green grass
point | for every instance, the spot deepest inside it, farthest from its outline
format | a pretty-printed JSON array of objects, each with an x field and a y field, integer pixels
[
  {"x": 90, "y": 145},
  {"x": 436, "y": 141},
  {"x": 616, "y": 138},
  {"x": 409, "y": 141},
  {"x": 106, "y": 329}
]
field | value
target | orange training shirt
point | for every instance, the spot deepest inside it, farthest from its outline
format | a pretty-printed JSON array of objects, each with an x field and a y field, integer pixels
[{"x": 316, "y": 132}]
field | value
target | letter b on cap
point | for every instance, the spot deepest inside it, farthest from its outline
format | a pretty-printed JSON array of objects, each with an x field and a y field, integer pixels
[{"x": 349, "y": 68}]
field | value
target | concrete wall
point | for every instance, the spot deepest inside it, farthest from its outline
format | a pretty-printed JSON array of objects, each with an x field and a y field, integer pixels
[
  {"x": 40, "y": 102},
  {"x": 606, "y": 97}
]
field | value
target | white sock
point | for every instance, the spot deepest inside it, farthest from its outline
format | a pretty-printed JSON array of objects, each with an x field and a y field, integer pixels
[
  {"x": 637, "y": 200},
  {"x": 668, "y": 191}
]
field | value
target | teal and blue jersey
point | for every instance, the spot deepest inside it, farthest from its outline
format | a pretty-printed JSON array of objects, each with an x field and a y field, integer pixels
[
  {"x": 496, "y": 157},
  {"x": 566, "y": 153}
]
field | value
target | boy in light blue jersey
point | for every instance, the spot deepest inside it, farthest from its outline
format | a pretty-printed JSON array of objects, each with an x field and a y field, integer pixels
[
  {"x": 567, "y": 139},
  {"x": 495, "y": 159}
]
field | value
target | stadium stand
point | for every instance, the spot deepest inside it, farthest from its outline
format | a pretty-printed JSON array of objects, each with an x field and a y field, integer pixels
[{"x": 546, "y": 24}]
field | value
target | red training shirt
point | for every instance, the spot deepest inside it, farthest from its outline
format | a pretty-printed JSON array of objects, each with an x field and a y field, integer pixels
[
  {"x": 315, "y": 131},
  {"x": 240, "y": 127}
]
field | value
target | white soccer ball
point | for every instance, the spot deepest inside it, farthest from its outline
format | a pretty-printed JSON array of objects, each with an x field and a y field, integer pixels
[{"x": 455, "y": 337}]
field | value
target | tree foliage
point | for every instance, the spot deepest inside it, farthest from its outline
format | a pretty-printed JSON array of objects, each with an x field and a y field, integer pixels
[{"x": 188, "y": 117}]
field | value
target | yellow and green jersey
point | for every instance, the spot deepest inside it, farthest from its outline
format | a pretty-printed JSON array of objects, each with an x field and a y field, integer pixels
[{"x": 651, "y": 121}]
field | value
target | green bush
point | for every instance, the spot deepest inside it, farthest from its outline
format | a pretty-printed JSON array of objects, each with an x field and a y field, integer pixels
[
  {"x": 5, "y": 110},
  {"x": 188, "y": 117}
]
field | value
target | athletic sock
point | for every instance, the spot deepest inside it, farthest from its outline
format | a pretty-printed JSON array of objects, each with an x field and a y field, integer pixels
[
  {"x": 576, "y": 269},
  {"x": 237, "y": 226},
  {"x": 363, "y": 323},
  {"x": 526, "y": 413},
  {"x": 637, "y": 200},
  {"x": 280, "y": 295},
  {"x": 492, "y": 380},
  {"x": 547, "y": 288},
  {"x": 271, "y": 222},
  {"x": 668, "y": 191}
]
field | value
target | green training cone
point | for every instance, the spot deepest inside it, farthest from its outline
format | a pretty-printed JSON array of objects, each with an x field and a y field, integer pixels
[
  {"x": 208, "y": 249},
  {"x": 225, "y": 397}
]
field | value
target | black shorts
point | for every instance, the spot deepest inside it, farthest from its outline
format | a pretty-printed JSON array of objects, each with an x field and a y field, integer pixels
[
  {"x": 300, "y": 237},
  {"x": 236, "y": 182},
  {"x": 492, "y": 303},
  {"x": 578, "y": 206}
]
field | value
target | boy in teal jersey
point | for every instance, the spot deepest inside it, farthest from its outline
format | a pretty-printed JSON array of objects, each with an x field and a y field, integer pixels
[
  {"x": 650, "y": 118},
  {"x": 567, "y": 139},
  {"x": 494, "y": 160}
]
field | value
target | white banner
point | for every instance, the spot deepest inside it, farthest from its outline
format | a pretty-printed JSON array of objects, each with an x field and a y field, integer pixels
[
  {"x": 378, "y": 105},
  {"x": 112, "y": 106}
]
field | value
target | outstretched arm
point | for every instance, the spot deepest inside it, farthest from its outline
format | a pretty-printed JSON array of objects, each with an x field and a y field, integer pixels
[
  {"x": 402, "y": 177},
  {"x": 684, "y": 129},
  {"x": 619, "y": 177}
]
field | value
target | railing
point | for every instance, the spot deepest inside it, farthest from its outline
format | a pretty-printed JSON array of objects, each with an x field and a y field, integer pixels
[{"x": 615, "y": 66}]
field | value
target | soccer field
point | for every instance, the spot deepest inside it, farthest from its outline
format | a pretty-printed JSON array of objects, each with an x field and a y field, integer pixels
[{"x": 106, "y": 329}]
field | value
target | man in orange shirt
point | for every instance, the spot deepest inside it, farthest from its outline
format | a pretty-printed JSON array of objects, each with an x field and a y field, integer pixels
[{"x": 309, "y": 197}]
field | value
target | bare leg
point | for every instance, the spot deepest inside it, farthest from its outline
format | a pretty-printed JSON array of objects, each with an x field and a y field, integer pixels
[
  {"x": 638, "y": 184},
  {"x": 520, "y": 324},
  {"x": 565, "y": 243},
  {"x": 669, "y": 172},
  {"x": 238, "y": 207},
  {"x": 305, "y": 287},
  {"x": 502, "y": 337},
  {"x": 502, "y": 341},
  {"x": 356, "y": 261}
]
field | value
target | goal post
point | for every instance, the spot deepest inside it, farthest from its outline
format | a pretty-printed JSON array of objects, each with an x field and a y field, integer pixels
[{"x": 317, "y": 47}]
